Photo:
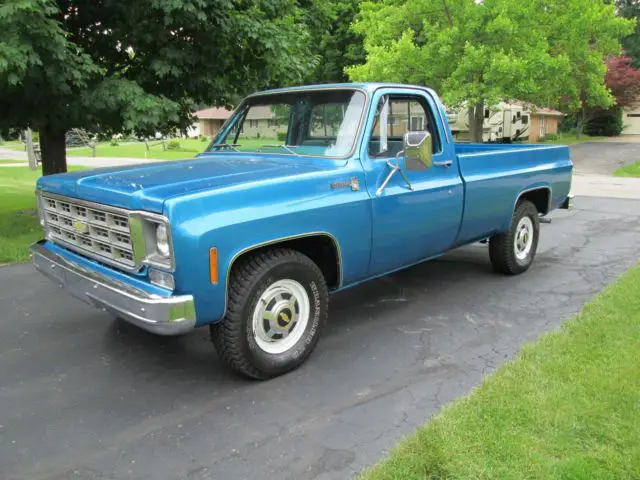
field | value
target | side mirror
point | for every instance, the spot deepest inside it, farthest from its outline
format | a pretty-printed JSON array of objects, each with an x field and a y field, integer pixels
[{"x": 418, "y": 150}]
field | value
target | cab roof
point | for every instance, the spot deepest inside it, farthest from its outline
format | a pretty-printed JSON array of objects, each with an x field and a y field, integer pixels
[{"x": 369, "y": 87}]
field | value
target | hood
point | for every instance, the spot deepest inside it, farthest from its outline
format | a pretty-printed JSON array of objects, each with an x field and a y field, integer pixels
[{"x": 147, "y": 187}]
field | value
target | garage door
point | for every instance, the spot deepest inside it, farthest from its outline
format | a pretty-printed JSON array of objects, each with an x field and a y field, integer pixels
[{"x": 632, "y": 123}]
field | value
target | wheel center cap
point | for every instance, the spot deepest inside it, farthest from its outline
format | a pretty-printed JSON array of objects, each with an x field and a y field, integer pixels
[{"x": 284, "y": 317}]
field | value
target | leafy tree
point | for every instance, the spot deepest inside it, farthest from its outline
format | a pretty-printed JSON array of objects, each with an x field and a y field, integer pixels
[
  {"x": 623, "y": 80},
  {"x": 117, "y": 65},
  {"x": 336, "y": 43},
  {"x": 547, "y": 52},
  {"x": 631, "y": 44}
]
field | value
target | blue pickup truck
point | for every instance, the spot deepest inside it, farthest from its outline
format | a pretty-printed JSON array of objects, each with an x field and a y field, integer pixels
[{"x": 304, "y": 191}]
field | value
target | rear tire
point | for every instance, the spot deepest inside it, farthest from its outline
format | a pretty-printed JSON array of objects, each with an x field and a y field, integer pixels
[
  {"x": 513, "y": 252},
  {"x": 278, "y": 305}
]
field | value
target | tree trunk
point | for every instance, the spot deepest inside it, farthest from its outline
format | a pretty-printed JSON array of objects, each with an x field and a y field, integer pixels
[
  {"x": 582, "y": 120},
  {"x": 476, "y": 122},
  {"x": 31, "y": 154},
  {"x": 52, "y": 148}
]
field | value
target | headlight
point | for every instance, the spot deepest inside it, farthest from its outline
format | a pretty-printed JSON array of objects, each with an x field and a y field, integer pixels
[
  {"x": 162, "y": 240},
  {"x": 151, "y": 240}
]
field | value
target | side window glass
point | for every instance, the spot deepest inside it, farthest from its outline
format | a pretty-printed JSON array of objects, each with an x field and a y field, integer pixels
[{"x": 396, "y": 116}]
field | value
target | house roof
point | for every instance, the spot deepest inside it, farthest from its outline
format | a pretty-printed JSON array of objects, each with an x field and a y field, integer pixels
[
  {"x": 549, "y": 112},
  {"x": 260, "y": 112},
  {"x": 214, "y": 113}
]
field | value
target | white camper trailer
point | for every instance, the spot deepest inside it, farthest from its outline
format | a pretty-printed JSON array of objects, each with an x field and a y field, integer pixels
[{"x": 503, "y": 123}]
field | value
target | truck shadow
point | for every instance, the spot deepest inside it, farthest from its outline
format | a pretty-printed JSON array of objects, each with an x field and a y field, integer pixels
[{"x": 191, "y": 357}]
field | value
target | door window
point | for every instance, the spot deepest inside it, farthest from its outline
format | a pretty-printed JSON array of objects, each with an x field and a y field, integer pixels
[{"x": 396, "y": 116}]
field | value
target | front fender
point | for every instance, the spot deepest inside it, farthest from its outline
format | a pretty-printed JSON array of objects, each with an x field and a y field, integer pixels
[{"x": 240, "y": 219}]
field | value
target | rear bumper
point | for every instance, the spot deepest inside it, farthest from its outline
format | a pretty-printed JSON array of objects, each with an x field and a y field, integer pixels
[{"x": 170, "y": 315}]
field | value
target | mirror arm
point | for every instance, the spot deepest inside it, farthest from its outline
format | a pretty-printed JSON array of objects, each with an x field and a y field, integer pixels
[
  {"x": 394, "y": 168},
  {"x": 401, "y": 152},
  {"x": 406, "y": 180}
]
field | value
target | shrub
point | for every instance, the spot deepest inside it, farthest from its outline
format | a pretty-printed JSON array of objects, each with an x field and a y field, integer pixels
[
  {"x": 609, "y": 123},
  {"x": 550, "y": 137},
  {"x": 35, "y": 137},
  {"x": 568, "y": 124},
  {"x": 203, "y": 138},
  {"x": 113, "y": 142},
  {"x": 173, "y": 145},
  {"x": 282, "y": 136}
]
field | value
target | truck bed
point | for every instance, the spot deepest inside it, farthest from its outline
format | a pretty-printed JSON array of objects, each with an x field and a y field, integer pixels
[
  {"x": 469, "y": 148},
  {"x": 495, "y": 174}
]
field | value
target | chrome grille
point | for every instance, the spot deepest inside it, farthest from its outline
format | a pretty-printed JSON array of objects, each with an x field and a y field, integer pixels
[{"x": 90, "y": 229}]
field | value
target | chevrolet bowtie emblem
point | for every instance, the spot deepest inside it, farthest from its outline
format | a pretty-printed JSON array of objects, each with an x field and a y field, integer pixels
[{"x": 80, "y": 227}]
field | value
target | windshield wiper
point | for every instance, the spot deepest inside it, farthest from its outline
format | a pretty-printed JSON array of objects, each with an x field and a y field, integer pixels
[
  {"x": 228, "y": 145},
  {"x": 286, "y": 147}
]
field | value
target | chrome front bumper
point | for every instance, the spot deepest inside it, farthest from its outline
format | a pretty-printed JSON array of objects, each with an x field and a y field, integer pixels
[{"x": 162, "y": 315}]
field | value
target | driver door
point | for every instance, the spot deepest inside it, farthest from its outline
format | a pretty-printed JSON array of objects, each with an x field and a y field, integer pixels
[{"x": 414, "y": 223}]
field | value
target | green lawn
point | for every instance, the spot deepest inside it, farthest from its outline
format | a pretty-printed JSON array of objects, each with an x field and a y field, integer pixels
[
  {"x": 568, "y": 407},
  {"x": 188, "y": 149},
  {"x": 19, "y": 226},
  {"x": 12, "y": 161},
  {"x": 632, "y": 170},
  {"x": 13, "y": 145},
  {"x": 572, "y": 140}
]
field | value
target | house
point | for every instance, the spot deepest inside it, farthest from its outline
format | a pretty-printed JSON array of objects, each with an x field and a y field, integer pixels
[
  {"x": 261, "y": 122},
  {"x": 211, "y": 119},
  {"x": 544, "y": 121},
  {"x": 631, "y": 120}
]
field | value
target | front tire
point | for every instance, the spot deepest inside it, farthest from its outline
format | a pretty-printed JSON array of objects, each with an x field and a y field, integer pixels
[
  {"x": 513, "y": 252},
  {"x": 278, "y": 304}
]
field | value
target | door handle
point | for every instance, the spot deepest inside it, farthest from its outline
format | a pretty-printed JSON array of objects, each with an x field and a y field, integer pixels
[{"x": 446, "y": 163}]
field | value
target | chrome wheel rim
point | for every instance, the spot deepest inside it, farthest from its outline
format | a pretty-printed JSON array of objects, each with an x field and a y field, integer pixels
[
  {"x": 281, "y": 316},
  {"x": 523, "y": 239}
]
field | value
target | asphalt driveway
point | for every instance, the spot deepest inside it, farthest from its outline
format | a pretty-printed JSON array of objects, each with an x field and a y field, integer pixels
[
  {"x": 604, "y": 157},
  {"x": 84, "y": 396}
]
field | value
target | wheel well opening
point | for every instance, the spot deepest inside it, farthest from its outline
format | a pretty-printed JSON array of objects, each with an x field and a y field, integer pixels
[
  {"x": 539, "y": 197},
  {"x": 321, "y": 249}
]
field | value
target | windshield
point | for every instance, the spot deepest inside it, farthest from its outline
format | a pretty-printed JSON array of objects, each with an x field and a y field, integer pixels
[{"x": 315, "y": 122}]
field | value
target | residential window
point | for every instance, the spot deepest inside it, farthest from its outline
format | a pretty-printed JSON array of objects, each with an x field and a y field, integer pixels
[
  {"x": 272, "y": 122},
  {"x": 253, "y": 123}
]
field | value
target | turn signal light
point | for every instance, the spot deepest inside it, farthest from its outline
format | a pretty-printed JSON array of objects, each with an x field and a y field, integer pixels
[{"x": 213, "y": 265}]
